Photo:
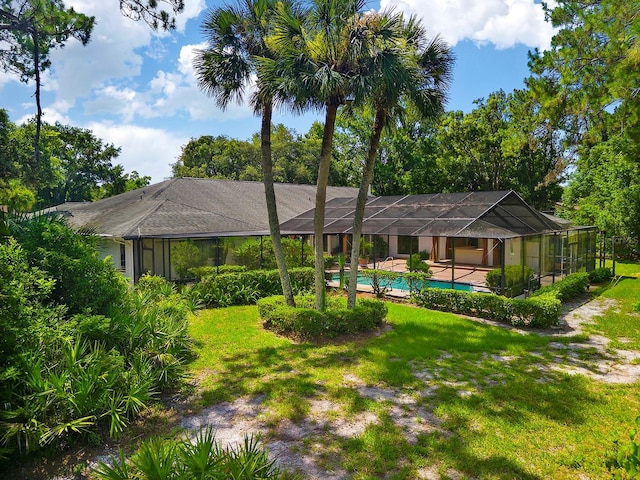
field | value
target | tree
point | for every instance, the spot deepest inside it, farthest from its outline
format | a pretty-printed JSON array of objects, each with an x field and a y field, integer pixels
[
  {"x": 408, "y": 68},
  {"x": 29, "y": 29},
  {"x": 150, "y": 12},
  {"x": 322, "y": 63},
  {"x": 236, "y": 36},
  {"x": 588, "y": 85}
]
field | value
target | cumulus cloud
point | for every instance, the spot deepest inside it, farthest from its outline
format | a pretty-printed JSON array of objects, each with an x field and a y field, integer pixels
[
  {"x": 149, "y": 151},
  {"x": 502, "y": 23}
]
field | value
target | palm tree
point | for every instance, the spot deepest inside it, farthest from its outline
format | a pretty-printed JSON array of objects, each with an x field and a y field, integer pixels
[
  {"x": 237, "y": 36},
  {"x": 322, "y": 64},
  {"x": 409, "y": 69}
]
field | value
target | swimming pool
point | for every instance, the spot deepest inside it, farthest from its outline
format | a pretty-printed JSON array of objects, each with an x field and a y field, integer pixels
[{"x": 401, "y": 284}]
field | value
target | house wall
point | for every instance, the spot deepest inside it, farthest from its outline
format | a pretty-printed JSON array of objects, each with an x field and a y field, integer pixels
[{"x": 110, "y": 247}]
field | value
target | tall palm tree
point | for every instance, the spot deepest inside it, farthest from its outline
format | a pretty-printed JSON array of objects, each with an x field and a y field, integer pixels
[
  {"x": 237, "y": 36},
  {"x": 409, "y": 68},
  {"x": 321, "y": 64}
]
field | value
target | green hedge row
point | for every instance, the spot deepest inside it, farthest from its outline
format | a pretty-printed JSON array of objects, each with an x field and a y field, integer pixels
[
  {"x": 541, "y": 311},
  {"x": 304, "y": 322},
  {"x": 569, "y": 287},
  {"x": 204, "y": 271},
  {"x": 246, "y": 288}
]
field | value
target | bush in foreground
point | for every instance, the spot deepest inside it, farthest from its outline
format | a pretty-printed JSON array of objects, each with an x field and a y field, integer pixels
[
  {"x": 84, "y": 358},
  {"x": 202, "y": 457},
  {"x": 304, "y": 322}
]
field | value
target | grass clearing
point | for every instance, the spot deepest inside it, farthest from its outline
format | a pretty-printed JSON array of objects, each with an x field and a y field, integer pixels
[{"x": 437, "y": 393}]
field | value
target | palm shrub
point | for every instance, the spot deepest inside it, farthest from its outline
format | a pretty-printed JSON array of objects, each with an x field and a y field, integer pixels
[{"x": 201, "y": 457}]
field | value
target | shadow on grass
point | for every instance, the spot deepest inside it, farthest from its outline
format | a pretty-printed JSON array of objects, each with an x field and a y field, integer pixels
[{"x": 456, "y": 355}]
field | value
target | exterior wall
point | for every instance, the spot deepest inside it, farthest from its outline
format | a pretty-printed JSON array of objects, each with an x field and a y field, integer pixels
[
  {"x": 393, "y": 246},
  {"x": 110, "y": 247}
]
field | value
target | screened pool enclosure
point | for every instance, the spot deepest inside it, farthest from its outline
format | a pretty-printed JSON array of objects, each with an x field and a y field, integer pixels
[{"x": 477, "y": 229}]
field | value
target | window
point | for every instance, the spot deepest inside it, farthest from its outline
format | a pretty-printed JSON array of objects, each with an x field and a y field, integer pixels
[
  {"x": 123, "y": 257},
  {"x": 407, "y": 245}
]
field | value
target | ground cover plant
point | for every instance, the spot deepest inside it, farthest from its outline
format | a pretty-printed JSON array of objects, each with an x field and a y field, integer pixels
[
  {"x": 437, "y": 395},
  {"x": 81, "y": 354}
]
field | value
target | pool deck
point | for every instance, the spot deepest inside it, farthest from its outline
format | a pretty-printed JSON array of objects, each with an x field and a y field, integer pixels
[{"x": 442, "y": 271}]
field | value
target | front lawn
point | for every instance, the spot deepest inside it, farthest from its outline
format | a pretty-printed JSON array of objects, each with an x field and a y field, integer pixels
[{"x": 435, "y": 395}]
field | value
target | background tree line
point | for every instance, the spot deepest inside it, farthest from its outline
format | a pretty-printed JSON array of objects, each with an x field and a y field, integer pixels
[{"x": 74, "y": 166}]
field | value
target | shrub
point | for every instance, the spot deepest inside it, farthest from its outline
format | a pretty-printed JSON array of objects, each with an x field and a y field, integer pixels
[
  {"x": 569, "y": 287},
  {"x": 202, "y": 458},
  {"x": 381, "y": 280},
  {"x": 304, "y": 322},
  {"x": 600, "y": 275},
  {"x": 258, "y": 254},
  {"x": 417, "y": 280},
  {"x": 199, "y": 272},
  {"x": 540, "y": 311},
  {"x": 245, "y": 288},
  {"x": 415, "y": 263},
  {"x": 517, "y": 279},
  {"x": 83, "y": 281}
]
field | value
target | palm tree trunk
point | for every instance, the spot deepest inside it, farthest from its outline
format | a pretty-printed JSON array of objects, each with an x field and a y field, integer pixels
[
  {"x": 358, "y": 216},
  {"x": 270, "y": 196},
  {"x": 321, "y": 198}
]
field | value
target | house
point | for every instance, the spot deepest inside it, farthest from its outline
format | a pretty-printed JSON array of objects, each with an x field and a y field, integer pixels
[
  {"x": 476, "y": 229},
  {"x": 142, "y": 227}
]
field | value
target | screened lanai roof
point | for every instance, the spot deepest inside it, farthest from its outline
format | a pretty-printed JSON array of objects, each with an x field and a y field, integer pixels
[{"x": 473, "y": 215}]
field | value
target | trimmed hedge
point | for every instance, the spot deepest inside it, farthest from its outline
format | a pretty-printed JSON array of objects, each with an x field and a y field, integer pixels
[
  {"x": 569, "y": 287},
  {"x": 204, "y": 271},
  {"x": 600, "y": 275},
  {"x": 246, "y": 288},
  {"x": 304, "y": 322},
  {"x": 541, "y": 311}
]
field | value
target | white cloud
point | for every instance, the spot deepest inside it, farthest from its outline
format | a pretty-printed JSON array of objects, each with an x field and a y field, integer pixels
[
  {"x": 149, "y": 151},
  {"x": 503, "y": 23}
]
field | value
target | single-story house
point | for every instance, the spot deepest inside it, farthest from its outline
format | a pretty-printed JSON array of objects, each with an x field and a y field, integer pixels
[
  {"x": 484, "y": 229},
  {"x": 141, "y": 227}
]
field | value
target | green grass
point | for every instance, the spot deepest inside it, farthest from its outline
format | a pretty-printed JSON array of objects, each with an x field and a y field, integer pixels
[
  {"x": 503, "y": 412},
  {"x": 627, "y": 269}
]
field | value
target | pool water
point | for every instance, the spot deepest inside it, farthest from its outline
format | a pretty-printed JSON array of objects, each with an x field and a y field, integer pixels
[{"x": 401, "y": 284}]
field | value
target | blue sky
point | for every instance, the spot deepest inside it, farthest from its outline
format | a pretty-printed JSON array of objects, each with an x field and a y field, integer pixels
[{"x": 136, "y": 89}]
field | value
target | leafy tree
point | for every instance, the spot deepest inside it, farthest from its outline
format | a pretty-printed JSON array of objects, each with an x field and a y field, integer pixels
[
  {"x": 215, "y": 157},
  {"x": 236, "y": 36},
  {"x": 411, "y": 69},
  {"x": 587, "y": 85}
]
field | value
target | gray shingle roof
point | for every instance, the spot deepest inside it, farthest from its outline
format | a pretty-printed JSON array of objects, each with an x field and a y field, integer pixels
[{"x": 193, "y": 207}]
